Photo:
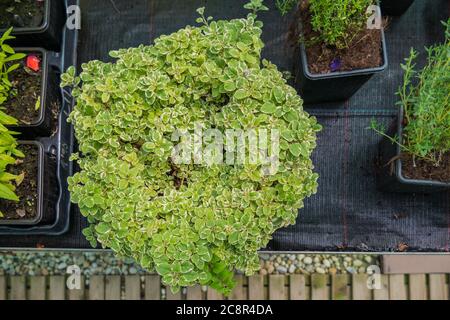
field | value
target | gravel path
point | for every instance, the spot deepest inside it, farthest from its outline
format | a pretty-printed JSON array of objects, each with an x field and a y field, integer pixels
[{"x": 90, "y": 263}]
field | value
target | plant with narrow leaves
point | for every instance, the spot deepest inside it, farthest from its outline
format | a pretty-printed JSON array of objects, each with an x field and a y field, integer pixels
[
  {"x": 7, "y": 56},
  {"x": 425, "y": 99},
  {"x": 337, "y": 22},
  {"x": 284, "y": 6},
  {"x": 191, "y": 223}
]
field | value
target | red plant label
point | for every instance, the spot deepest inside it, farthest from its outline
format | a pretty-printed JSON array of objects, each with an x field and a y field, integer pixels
[{"x": 34, "y": 63}]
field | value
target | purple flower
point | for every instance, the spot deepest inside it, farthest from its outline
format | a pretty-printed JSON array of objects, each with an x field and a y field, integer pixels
[{"x": 335, "y": 65}]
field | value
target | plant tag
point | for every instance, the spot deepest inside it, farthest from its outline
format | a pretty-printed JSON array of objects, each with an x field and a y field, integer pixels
[{"x": 34, "y": 63}]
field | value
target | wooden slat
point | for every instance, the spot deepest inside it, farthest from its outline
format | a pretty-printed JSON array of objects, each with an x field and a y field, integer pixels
[
  {"x": 397, "y": 287},
  {"x": 297, "y": 287},
  {"x": 360, "y": 291},
  {"x": 418, "y": 287},
  {"x": 416, "y": 263},
  {"x": 256, "y": 287},
  {"x": 172, "y": 296},
  {"x": 3, "y": 292},
  {"x": 339, "y": 287},
  {"x": 97, "y": 288},
  {"x": 277, "y": 289},
  {"x": 152, "y": 287},
  {"x": 319, "y": 287},
  {"x": 212, "y": 294},
  {"x": 18, "y": 288},
  {"x": 38, "y": 288},
  {"x": 77, "y": 294},
  {"x": 238, "y": 292},
  {"x": 133, "y": 287},
  {"x": 57, "y": 288},
  {"x": 113, "y": 288},
  {"x": 383, "y": 292},
  {"x": 438, "y": 287},
  {"x": 194, "y": 293}
]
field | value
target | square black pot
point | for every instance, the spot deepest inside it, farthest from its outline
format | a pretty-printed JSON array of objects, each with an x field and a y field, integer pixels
[
  {"x": 395, "y": 7},
  {"x": 335, "y": 86},
  {"x": 389, "y": 175},
  {"x": 50, "y": 95},
  {"x": 47, "y": 190},
  {"x": 49, "y": 34}
]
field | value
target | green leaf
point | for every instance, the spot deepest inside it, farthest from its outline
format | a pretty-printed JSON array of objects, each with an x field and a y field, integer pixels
[
  {"x": 298, "y": 149},
  {"x": 268, "y": 108},
  {"x": 241, "y": 94}
]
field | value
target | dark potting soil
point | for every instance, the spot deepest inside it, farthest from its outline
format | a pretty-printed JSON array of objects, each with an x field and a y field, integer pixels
[
  {"x": 365, "y": 51},
  {"x": 27, "y": 191},
  {"x": 25, "y": 94},
  {"x": 23, "y": 13},
  {"x": 424, "y": 170}
]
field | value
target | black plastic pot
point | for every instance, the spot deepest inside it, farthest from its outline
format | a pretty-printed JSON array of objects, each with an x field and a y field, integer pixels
[
  {"x": 336, "y": 86},
  {"x": 395, "y": 7},
  {"x": 49, "y": 34},
  {"x": 389, "y": 175},
  {"x": 50, "y": 95},
  {"x": 47, "y": 189}
]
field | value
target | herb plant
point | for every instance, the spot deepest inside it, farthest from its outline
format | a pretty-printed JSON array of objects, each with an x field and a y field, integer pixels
[
  {"x": 7, "y": 56},
  {"x": 337, "y": 22},
  {"x": 425, "y": 99},
  {"x": 284, "y": 6},
  {"x": 191, "y": 223}
]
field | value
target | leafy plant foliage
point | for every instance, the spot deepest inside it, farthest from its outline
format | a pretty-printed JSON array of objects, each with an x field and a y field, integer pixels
[
  {"x": 424, "y": 97},
  {"x": 337, "y": 22},
  {"x": 191, "y": 223},
  {"x": 8, "y": 143}
]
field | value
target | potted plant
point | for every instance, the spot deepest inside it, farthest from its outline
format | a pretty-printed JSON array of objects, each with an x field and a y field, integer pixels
[
  {"x": 34, "y": 97},
  {"x": 36, "y": 22},
  {"x": 415, "y": 153},
  {"x": 198, "y": 219},
  {"x": 21, "y": 177},
  {"x": 340, "y": 48},
  {"x": 395, "y": 7}
]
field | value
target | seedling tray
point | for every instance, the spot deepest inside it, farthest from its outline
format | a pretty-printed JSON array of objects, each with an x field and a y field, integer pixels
[
  {"x": 57, "y": 147},
  {"x": 48, "y": 34},
  {"x": 348, "y": 213}
]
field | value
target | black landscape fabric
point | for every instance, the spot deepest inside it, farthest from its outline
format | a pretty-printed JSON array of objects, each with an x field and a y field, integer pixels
[{"x": 347, "y": 213}]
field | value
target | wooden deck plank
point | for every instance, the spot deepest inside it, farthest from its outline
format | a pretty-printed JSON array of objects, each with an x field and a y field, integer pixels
[
  {"x": 133, "y": 287},
  {"x": 97, "y": 288},
  {"x": 77, "y": 294},
  {"x": 152, "y": 287},
  {"x": 38, "y": 288},
  {"x": 3, "y": 292},
  {"x": 360, "y": 291},
  {"x": 438, "y": 287},
  {"x": 194, "y": 293},
  {"x": 297, "y": 287},
  {"x": 319, "y": 287},
  {"x": 18, "y": 288},
  {"x": 383, "y": 292},
  {"x": 277, "y": 289},
  {"x": 212, "y": 294},
  {"x": 418, "y": 287},
  {"x": 172, "y": 296},
  {"x": 256, "y": 287},
  {"x": 113, "y": 288},
  {"x": 238, "y": 292},
  {"x": 397, "y": 287},
  {"x": 416, "y": 263},
  {"x": 339, "y": 287},
  {"x": 56, "y": 288}
]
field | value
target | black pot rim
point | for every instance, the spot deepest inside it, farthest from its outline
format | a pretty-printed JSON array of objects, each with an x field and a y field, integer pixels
[
  {"x": 341, "y": 74},
  {"x": 40, "y": 181},
  {"x": 44, "y": 80},
  {"x": 398, "y": 162},
  {"x": 42, "y": 28}
]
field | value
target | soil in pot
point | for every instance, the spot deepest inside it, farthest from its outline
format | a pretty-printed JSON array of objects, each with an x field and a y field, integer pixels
[
  {"x": 423, "y": 170},
  {"x": 25, "y": 100},
  {"x": 23, "y": 13},
  {"x": 27, "y": 191},
  {"x": 365, "y": 51}
]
